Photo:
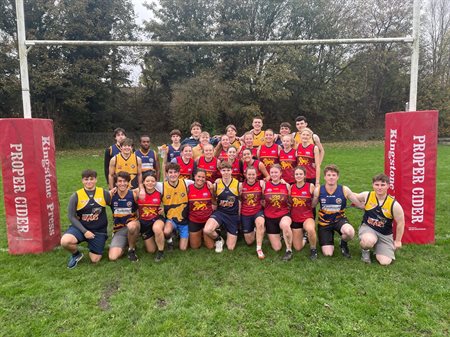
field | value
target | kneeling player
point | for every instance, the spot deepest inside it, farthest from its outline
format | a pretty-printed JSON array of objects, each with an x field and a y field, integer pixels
[
  {"x": 380, "y": 211},
  {"x": 333, "y": 201}
]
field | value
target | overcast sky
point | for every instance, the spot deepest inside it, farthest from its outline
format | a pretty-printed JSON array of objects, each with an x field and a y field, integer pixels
[{"x": 141, "y": 12}]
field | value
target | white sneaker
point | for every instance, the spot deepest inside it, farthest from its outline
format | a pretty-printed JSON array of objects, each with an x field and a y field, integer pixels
[
  {"x": 219, "y": 245},
  {"x": 365, "y": 256}
]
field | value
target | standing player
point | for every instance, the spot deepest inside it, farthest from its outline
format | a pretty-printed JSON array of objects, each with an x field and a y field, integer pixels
[
  {"x": 185, "y": 161},
  {"x": 375, "y": 232},
  {"x": 113, "y": 150},
  {"x": 236, "y": 164},
  {"x": 197, "y": 151},
  {"x": 151, "y": 222},
  {"x": 288, "y": 160},
  {"x": 231, "y": 132},
  {"x": 221, "y": 150},
  {"x": 148, "y": 156},
  {"x": 126, "y": 161},
  {"x": 252, "y": 214},
  {"x": 193, "y": 140},
  {"x": 226, "y": 216},
  {"x": 333, "y": 201},
  {"x": 308, "y": 157},
  {"x": 126, "y": 226},
  {"x": 276, "y": 212},
  {"x": 88, "y": 220},
  {"x": 258, "y": 133},
  {"x": 173, "y": 150},
  {"x": 300, "y": 124},
  {"x": 269, "y": 152},
  {"x": 248, "y": 144},
  {"x": 200, "y": 209},
  {"x": 285, "y": 129},
  {"x": 302, "y": 212},
  {"x": 208, "y": 163},
  {"x": 248, "y": 160}
]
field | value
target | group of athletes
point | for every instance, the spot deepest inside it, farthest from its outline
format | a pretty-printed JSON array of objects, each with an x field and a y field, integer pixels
[{"x": 214, "y": 188}]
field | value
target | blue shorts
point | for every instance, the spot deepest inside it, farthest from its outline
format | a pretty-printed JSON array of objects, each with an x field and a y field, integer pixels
[
  {"x": 248, "y": 221},
  {"x": 147, "y": 227},
  {"x": 95, "y": 245},
  {"x": 181, "y": 227},
  {"x": 229, "y": 222}
]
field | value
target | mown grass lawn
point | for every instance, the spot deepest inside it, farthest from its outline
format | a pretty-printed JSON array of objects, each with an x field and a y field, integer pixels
[{"x": 200, "y": 293}]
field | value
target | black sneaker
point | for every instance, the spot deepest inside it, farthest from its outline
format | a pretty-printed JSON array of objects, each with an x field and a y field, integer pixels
[
  {"x": 159, "y": 256},
  {"x": 170, "y": 246},
  {"x": 132, "y": 255},
  {"x": 287, "y": 256},
  {"x": 313, "y": 254},
  {"x": 344, "y": 249}
]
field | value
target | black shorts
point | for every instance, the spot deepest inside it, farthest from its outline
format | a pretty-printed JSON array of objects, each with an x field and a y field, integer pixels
[
  {"x": 248, "y": 221},
  {"x": 297, "y": 225},
  {"x": 147, "y": 227},
  {"x": 195, "y": 226},
  {"x": 326, "y": 233},
  {"x": 273, "y": 225}
]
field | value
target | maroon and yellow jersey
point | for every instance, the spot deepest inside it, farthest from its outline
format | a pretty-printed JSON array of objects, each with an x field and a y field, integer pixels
[
  {"x": 129, "y": 165},
  {"x": 251, "y": 196},
  {"x": 223, "y": 155},
  {"x": 306, "y": 158},
  {"x": 269, "y": 155},
  {"x": 186, "y": 169},
  {"x": 236, "y": 170},
  {"x": 255, "y": 164},
  {"x": 212, "y": 173},
  {"x": 288, "y": 162},
  {"x": 200, "y": 203},
  {"x": 253, "y": 149},
  {"x": 301, "y": 199},
  {"x": 258, "y": 138},
  {"x": 149, "y": 206},
  {"x": 276, "y": 200}
]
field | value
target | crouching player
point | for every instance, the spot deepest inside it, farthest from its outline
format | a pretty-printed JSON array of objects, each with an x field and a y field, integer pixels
[
  {"x": 87, "y": 215},
  {"x": 380, "y": 211}
]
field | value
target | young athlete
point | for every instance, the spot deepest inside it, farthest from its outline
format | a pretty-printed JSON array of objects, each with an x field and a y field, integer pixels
[
  {"x": 248, "y": 160},
  {"x": 226, "y": 216},
  {"x": 285, "y": 129},
  {"x": 220, "y": 152},
  {"x": 193, "y": 140},
  {"x": 301, "y": 196},
  {"x": 252, "y": 214},
  {"x": 119, "y": 136},
  {"x": 288, "y": 160},
  {"x": 208, "y": 163},
  {"x": 333, "y": 202},
  {"x": 300, "y": 124},
  {"x": 150, "y": 218},
  {"x": 126, "y": 161},
  {"x": 376, "y": 230},
  {"x": 126, "y": 226},
  {"x": 187, "y": 164},
  {"x": 269, "y": 152},
  {"x": 257, "y": 131},
  {"x": 248, "y": 144},
  {"x": 197, "y": 151},
  {"x": 308, "y": 157},
  {"x": 231, "y": 132},
  {"x": 148, "y": 156},
  {"x": 200, "y": 209},
  {"x": 276, "y": 212},
  {"x": 88, "y": 220},
  {"x": 236, "y": 164}
]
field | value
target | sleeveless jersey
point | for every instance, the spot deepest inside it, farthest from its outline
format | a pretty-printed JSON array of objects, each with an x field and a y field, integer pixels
[
  {"x": 172, "y": 153},
  {"x": 212, "y": 173},
  {"x": 306, "y": 158},
  {"x": 129, "y": 165},
  {"x": 186, "y": 169},
  {"x": 91, "y": 211},
  {"x": 298, "y": 140},
  {"x": 379, "y": 217},
  {"x": 332, "y": 206},
  {"x": 251, "y": 197},
  {"x": 269, "y": 155},
  {"x": 200, "y": 203},
  {"x": 124, "y": 209},
  {"x": 149, "y": 206},
  {"x": 197, "y": 151},
  {"x": 301, "y": 203},
  {"x": 223, "y": 155},
  {"x": 276, "y": 200},
  {"x": 255, "y": 164},
  {"x": 236, "y": 143},
  {"x": 228, "y": 197},
  {"x": 236, "y": 170},
  {"x": 288, "y": 161},
  {"x": 148, "y": 159},
  {"x": 253, "y": 149},
  {"x": 258, "y": 139},
  {"x": 175, "y": 201},
  {"x": 114, "y": 150}
]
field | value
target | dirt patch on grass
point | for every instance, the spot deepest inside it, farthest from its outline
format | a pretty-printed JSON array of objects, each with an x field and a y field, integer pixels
[
  {"x": 161, "y": 303},
  {"x": 109, "y": 291}
]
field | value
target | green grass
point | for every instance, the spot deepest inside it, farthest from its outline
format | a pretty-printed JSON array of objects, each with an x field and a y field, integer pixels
[{"x": 200, "y": 293}]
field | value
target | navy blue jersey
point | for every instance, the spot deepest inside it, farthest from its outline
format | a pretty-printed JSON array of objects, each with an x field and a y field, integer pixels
[
  {"x": 332, "y": 206},
  {"x": 148, "y": 160},
  {"x": 228, "y": 196},
  {"x": 124, "y": 209},
  {"x": 172, "y": 153}
]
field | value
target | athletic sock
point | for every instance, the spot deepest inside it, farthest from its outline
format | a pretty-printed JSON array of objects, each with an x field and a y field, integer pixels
[
  {"x": 169, "y": 240},
  {"x": 258, "y": 247},
  {"x": 76, "y": 253}
]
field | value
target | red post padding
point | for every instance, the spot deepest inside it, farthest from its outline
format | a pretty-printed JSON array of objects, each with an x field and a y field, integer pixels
[
  {"x": 410, "y": 163},
  {"x": 27, "y": 153}
]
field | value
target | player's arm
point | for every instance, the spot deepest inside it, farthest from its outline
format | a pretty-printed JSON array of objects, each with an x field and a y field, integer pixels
[
  {"x": 263, "y": 170},
  {"x": 316, "y": 139},
  {"x": 112, "y": 169},
  {"x": 362, "y": 197},
  {"x": 106, "y": 161},
  {"x": 317, "y": 162},
  {"x": 353, "y": 197},
  {"x": 139, "y": 172},
  {"x": 315, "y": 198},
  {"x": 257, "y": 151},
  {"x": 262, "y": 183},
  {"x": 399, "y": 217},
  {"x": 72, "y": 215},
  {"x": 213, "y": 193},
  {"x": 157, "y": 166}
]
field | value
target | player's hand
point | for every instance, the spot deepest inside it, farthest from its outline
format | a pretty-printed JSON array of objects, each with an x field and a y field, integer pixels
[
  {"x": 267, "y": 178},
  {"x": 89, "y": 235},
  {"x": 161, "y": 211},
  {"x": 113, "y": 190},
  {"x": 141, "y": 195},
  {"x": 397, "y": 244}
]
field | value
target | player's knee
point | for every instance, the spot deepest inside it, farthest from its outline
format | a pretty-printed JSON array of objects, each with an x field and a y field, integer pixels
[
  {"x": 367, "y": 242},
  {"x": 67, "y": 240},
  {"x": 384, "y": 260},
  {"x": 95, "y": 258}
]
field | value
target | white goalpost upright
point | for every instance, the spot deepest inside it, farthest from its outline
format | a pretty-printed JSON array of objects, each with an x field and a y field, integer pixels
[{"x": 25, "y": 45}]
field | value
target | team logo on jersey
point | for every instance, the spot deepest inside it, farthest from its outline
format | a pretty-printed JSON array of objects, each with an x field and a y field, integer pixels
[
  {"x": 115, "y": 204},
  {"x": 338, "y": 201},
  {"x": 205, "y": 194},
  {"x": 276, "y": 201},
  {"x": 183, "y": 195},
  {"x": 323, "y": 200},
  {"x": 307, "y": 152},
  {"x": 155, "y": 200},
  {"x": 250, "y": 199},
  {"x": 199, "y": 206},
  {"x": 129, "y": 203},
  {"x": 298, "y": 202},
  {"x": 303, "y": 193},
  {"x": 133, "y": 166},
  {"x": 269, "y": 190}
]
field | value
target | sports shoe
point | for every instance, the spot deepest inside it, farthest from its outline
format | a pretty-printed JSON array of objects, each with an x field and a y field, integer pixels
[
  {"x": 170, "y": 246},
  {"x": 219, "y": 245},
  {"x": 260, "y": 253},
  {"x": 313, "y": 254},
  {"x": 132, "y": 255},
  {"x": 344, "y": 249},
  {"x": 74, "y": 259},
  {"x": 287, "y": 256},
  {"x": 159, "y": 256},
  {"x": 365, "y": 256}
]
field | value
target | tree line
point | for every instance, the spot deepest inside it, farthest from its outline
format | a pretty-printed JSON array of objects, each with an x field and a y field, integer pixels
[{"x": 342, "y": 89}]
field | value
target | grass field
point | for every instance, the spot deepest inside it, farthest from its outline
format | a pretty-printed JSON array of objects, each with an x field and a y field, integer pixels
[{"x": 200, "y": 293}]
